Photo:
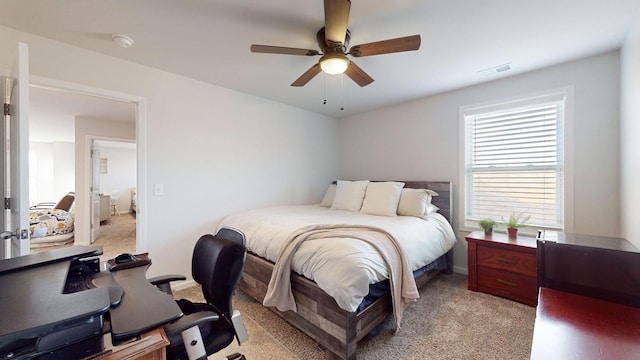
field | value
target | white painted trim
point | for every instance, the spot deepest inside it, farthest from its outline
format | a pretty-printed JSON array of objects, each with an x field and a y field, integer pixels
[
  {"x": 461, "y": 270},
  {"x": 184, "y": 285},
  {"x": 569, "y": 189},
  {"x": 59, "y": 85},
  {"x": 141, "y": 143},
  {"x": 141, "y": 160},
  {"x": 567, "y": 92}
]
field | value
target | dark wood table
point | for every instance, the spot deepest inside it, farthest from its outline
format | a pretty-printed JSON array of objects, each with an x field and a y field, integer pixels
[{"x": 570, "y": 326}]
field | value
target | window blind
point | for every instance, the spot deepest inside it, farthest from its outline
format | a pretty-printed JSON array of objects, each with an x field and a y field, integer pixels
[{"x": 514, "y": 164}]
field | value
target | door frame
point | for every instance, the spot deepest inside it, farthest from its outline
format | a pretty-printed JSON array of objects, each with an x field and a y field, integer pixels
[
  {"x": 82, "y": 198},
  {"x": 15, "y": 143}
]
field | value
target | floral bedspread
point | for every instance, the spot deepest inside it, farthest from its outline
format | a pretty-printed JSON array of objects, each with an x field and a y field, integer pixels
[{"x": 56, "y": 221}]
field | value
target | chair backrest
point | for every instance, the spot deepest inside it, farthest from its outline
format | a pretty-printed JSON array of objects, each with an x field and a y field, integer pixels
[
  {"x": 217, "y": 265},
  {"x": 114, "y": 196},
  {"x": 66, "y": 202}
]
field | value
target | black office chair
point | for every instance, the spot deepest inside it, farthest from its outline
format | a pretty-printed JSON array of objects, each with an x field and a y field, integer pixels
[{"x": 216, "y": 265}]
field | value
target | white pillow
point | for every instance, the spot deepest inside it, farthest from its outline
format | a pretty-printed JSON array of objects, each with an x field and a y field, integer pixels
[
  {"x": 39, "y": 232},
  {"x": 432, "y": 208},
  {"x": 415, "y": 202},
  {"x": 382, "y": 198},
  {"x": 327, "y": 201},
  {"x": 349, "y": 195}
]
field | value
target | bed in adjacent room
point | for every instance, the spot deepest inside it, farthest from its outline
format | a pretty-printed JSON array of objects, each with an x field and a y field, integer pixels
[
  {"x": 336, "y": 270},
  {"x": 52, "y": 224}
]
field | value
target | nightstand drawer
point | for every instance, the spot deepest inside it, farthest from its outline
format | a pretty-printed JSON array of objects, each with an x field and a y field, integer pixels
[
  {"x": 508, "y": 284},
  {"x": 515, "y": 261}
]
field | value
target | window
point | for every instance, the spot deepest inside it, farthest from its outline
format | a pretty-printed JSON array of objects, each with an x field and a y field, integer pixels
[
  {"x": 103, "y": 165},
  {"x": 514, "y": 161}
]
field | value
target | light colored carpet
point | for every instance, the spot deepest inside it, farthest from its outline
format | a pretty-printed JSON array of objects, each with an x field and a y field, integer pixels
[
  {"x": 117, "y": 236},
  {"x": 447, "y": 322}
]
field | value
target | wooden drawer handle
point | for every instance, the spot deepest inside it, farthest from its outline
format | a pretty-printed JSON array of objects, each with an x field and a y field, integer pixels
[
  {"x": 508, "y": 283},
  {"x": 507, "y": 261}
]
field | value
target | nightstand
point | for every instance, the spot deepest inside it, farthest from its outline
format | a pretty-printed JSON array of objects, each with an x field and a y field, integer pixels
[{"x": 503, "y": 266}]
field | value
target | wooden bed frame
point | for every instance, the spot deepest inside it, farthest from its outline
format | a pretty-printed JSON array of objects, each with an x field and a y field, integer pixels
[{"x": 318, "y": 315}]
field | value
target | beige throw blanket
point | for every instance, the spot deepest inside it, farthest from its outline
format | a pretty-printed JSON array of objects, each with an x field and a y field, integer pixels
[{"x": 403, "y": 286}]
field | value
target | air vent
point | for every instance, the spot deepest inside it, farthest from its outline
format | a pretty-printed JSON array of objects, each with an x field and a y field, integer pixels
[{"x": 495, "y": 70}]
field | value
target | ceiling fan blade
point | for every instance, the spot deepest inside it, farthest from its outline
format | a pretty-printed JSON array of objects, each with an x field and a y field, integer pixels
[
  {"x": 407, "y": 43},
  {"x": 336, "y": 19},
  {"x": 308, "y": 75},
  {"x": 358, "y": 75},
  {"x": 267, "y": 49}
]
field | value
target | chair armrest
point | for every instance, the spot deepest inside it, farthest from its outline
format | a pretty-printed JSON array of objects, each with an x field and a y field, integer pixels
[
  {"x": 162, "y": 281},
  {"x": 156, "y": 280},
  {"x": 188, "y": 321}
]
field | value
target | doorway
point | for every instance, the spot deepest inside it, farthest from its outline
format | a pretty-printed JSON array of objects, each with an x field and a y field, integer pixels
[
  {"x": 84, "y": 114},
  {"x": 115, "y": 195}
]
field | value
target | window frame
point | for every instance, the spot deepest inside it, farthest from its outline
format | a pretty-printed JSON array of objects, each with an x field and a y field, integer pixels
[{"x": 565, "y": 94}]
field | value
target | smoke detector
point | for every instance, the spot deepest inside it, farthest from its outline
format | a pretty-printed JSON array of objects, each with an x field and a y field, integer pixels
[{"x": 122, "y": 40}]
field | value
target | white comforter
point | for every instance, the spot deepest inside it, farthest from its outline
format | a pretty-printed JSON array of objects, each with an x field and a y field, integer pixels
[{"x": 342, "y": 267}]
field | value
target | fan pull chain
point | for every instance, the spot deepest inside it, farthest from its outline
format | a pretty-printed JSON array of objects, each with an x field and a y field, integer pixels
[
  {"x": 341, "y": 92},
  {"x": 324, "y": 89}
]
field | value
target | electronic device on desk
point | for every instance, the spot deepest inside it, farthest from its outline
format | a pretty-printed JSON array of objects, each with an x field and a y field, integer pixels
[
  {"x": 548, "y": 235},
  {"x": 128, "y": 261}
]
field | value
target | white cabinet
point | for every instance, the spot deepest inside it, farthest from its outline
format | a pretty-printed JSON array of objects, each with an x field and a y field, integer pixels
[{"x": 105, "y": 207}]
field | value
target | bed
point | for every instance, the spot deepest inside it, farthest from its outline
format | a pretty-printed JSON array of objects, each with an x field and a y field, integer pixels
[
  {"x": 336, "y": 322},
  {"x": 52, "y": 224}
]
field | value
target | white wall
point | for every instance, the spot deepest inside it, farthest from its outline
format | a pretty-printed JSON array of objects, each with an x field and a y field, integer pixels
[
  {"x": 630, "y": 133},
  {"x": 420, "y": 140},
  {"x": 64, "y": 179},
  {"x": 55, "y": 171},
  {"x": 216, "y": 151},
  {"x": 120, "y": 176}
]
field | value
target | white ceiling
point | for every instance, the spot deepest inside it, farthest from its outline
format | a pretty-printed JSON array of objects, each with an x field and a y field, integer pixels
[{"x": 210, "y": 40}]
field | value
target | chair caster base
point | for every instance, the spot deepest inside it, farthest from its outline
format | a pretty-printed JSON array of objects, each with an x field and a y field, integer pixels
[{"x": 236, "y": 356}]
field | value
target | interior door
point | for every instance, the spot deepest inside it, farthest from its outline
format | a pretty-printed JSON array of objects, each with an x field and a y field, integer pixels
[
  {"x": 95, "y": 192},
  {"x": 5, "y": 249},
  {"x": 15, "y": 158}
]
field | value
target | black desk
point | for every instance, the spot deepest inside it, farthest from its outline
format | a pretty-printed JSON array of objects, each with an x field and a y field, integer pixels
[
  {"x": 47, "y": 257},
  {"x": 143, "y": 306},
  {"x": 33, "y": 307}
]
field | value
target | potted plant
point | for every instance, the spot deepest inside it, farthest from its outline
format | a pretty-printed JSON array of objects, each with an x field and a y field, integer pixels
[
  {"x": 514, "y": 223},
  {"x": 487, "y": 225}
]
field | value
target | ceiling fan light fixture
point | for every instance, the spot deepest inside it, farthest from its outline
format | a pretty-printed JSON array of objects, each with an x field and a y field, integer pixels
[{"x": 334, "y": 63}]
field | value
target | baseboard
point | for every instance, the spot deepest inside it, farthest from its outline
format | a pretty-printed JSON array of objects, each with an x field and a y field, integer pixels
[
  {"x": 184, "y": 285},
  {"x": 460, "y": 270}
]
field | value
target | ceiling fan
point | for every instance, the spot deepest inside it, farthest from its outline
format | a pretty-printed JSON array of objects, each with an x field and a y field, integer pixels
[{"x": 333, "y": 40}]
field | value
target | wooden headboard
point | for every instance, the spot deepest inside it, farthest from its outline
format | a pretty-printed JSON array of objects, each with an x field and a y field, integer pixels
[{"x": 444, "y": 199}]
